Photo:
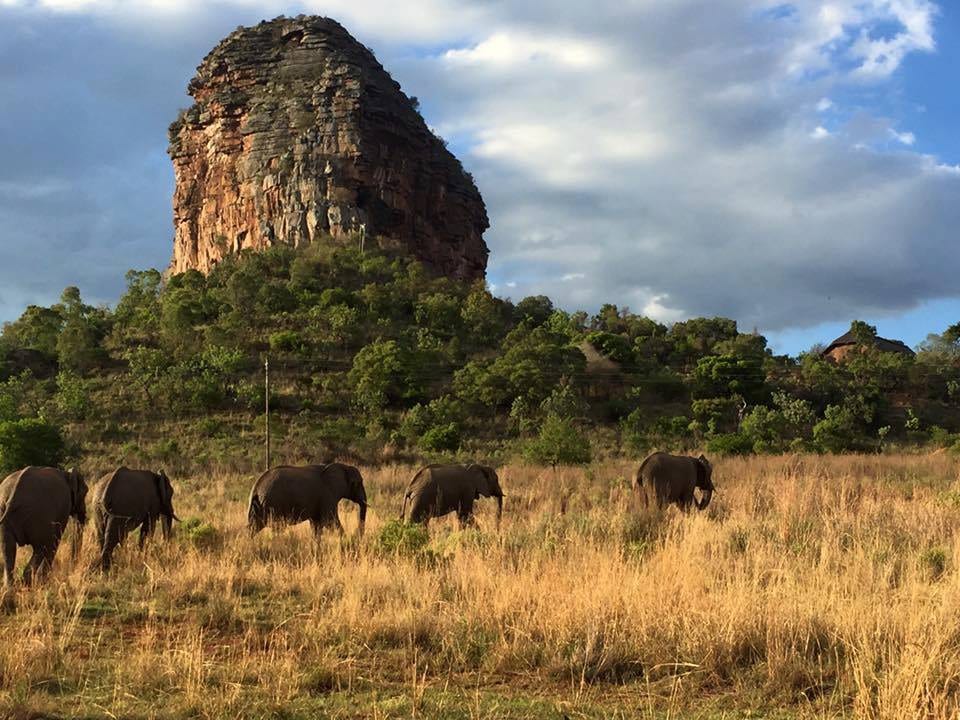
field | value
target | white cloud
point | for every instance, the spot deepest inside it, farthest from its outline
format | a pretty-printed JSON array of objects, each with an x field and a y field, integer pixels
[
  {"x": 652, "y": 153},
  {"x": 505, "y": 49},
  {"x": 905, "y": 138}
]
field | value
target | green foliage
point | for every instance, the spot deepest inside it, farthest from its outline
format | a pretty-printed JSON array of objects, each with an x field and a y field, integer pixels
[
  {"x": 13, "y": 393},
  {"x": 616, "y": 347},
  {"x": 730, "y": 444},
  {"x": 287, "y": 341},
  {"x": 441, "y": 438},
  {"x": 30, "y": 441},
  {"x": 73, "y": 396},
  {"x": 431, "y": 362},
  {"x": 728, "y": 375},
  {"x": 199, "y": 533},
  {"x": 398, "y": 538},
  {"x": 381, "y": 374},
  {"x": 560, "y": 442},
  {"x": 838, "y": 430}
]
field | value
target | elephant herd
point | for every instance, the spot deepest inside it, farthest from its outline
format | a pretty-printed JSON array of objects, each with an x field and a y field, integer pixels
[{"x": 36, "y": 503}]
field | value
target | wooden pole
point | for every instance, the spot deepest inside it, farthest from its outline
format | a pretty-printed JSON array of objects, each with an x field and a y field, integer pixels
[{"x": 266, "y": 405}]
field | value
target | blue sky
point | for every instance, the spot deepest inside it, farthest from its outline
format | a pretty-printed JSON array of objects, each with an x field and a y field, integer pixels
[{"x": 793, "y": 165}]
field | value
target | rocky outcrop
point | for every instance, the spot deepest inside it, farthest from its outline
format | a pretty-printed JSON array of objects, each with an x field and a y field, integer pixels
[{"x": 298, "y": 133}]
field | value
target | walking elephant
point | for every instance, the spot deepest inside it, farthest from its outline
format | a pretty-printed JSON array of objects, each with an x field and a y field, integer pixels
[
  {"x": 294, "y": 494},
  {"x": 673, "y": 478},
  {"x": 437, "y": 490},
  {"x": 126, "y": 499},
  {"x": 35, "y": 505}
]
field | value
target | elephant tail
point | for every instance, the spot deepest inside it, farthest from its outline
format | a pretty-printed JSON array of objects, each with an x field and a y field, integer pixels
[
  {"x": 403, "y": 509},
  {"x": 639, "y": 485}
]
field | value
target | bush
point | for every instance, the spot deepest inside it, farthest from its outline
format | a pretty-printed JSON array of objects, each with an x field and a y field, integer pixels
[
  {"x": 731, "y": 444},
  {"x": 560, "y": 442},
  {"x": 441, "y": 437},
  {"x": 198, "y": 533},
  {"x": 32, "y": 441},
  {"x": 286, "y": 341},
  {"x": 398, "y": 538}
]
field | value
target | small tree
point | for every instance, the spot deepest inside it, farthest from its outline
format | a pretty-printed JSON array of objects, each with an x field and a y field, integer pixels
[{"x": 560, "y": 442}]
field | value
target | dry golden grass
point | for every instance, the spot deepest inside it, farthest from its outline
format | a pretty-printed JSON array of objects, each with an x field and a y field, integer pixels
[{"x": 812, "y": 587}]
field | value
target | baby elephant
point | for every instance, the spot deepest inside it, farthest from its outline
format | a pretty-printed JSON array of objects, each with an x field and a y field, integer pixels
[
  {"x": 294, "y": 494},
  {"x": 35, "y": 505},
  {"x": 437, "y": 490},
  {"x": 126, "y": 499},
  {"x": 673, "y": 478}
]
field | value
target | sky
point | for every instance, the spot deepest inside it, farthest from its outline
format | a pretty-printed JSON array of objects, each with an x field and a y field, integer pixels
[{"x": 792, "y": 165}]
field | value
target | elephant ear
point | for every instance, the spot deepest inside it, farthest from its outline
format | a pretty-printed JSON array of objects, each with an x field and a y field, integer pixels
[
  {"x": 355, "y": 480},
  {"x": 488, "y": 484},
  {"x": 164, "y": 490},
  {"x": 78, "y": 494},
  {"x": 704, "y": 471},
  {"x": 492, "y": 480}
]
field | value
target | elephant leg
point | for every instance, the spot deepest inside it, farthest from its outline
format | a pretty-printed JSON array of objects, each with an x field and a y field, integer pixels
[
  {"x": 9, "y": 546},
  {"x": 39, "y": 563},
  {"x": 465, "y": 514},
  {"x": 146, "y": 530},
  {"x": 326, "y": 521},
  {"x": 112, "y": 535}
]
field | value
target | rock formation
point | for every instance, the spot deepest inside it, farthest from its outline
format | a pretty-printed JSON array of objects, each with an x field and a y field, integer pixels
[{"x": 297, "y": 132}]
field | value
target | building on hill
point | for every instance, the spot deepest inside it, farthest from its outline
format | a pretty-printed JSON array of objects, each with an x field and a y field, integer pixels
[{"x": 839, "y": 349}]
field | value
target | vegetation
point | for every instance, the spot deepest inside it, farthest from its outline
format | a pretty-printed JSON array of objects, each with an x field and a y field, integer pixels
[
  {"x": 373, "y": 358},
  {"x": 789, "y": 597}
]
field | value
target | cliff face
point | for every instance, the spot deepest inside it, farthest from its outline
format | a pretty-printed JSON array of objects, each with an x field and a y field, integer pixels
[{"x": 298, "y": 131}]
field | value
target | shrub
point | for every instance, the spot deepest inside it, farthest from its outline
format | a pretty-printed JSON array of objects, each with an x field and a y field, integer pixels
[
  {"x": 398, "y": 538},
  {"x": 286, "y": 341},
  {"x": 560, "y": 442},
  {"x": 32, "y": 441},
  {"x": 731, "y": 444},
  {"x": 441, "y": 437},
  {"x": 73, "y": 395},
  {"x": 198, "y": 533},
  {"x": 837, "y": 431}
]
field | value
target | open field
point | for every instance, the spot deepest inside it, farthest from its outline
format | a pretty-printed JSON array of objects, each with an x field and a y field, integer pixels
[{"x": 813, "y": 587}]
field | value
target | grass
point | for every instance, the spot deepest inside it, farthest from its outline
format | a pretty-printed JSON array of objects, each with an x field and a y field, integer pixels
[{"x": 813, "y": 587}]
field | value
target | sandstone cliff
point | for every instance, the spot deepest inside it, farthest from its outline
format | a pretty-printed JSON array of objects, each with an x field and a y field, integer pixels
[{"x": 297, "y": 132}]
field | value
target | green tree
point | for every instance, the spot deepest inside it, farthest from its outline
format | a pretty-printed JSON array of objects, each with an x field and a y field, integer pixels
[
  {"x": 377, "y": 374},
  {"x": 559, "y": 442},
  {"x": 29, "y": 441}
]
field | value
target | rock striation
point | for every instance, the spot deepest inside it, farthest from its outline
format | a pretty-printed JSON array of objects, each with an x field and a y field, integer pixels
[{"x": 298, "y": 133}]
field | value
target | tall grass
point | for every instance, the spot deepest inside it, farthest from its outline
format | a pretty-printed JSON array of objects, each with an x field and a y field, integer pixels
[{"x": 825, "y": 585}]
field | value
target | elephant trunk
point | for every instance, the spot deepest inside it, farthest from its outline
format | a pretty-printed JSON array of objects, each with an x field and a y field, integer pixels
[
  {"x": 705, "y": 499},
  {"x": 166, "y": 523}
]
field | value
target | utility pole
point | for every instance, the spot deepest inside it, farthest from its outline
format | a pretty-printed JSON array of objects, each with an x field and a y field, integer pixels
[
  {"x": 363, "y": 235},
  {"x": 266, "y": 404}
]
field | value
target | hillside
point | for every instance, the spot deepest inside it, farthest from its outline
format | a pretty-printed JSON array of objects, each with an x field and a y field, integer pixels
[{"x": 375, "y": 358}]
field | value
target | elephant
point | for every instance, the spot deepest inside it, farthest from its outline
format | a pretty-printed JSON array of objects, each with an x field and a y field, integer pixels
[
  {"x": 294, "y": 494},
  {"x": 437, "y": 490},
  {"x": 35, "y": 505},
  {"x": 673, "y": 479},
  {"x": 126, "y": 499}
]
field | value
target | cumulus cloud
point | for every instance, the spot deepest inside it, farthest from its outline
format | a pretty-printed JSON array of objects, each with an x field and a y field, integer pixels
[{"x": 685, "y": 157}]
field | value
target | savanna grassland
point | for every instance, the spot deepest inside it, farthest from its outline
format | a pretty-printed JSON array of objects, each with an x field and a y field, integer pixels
[{"x": 813, "y": 587}]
